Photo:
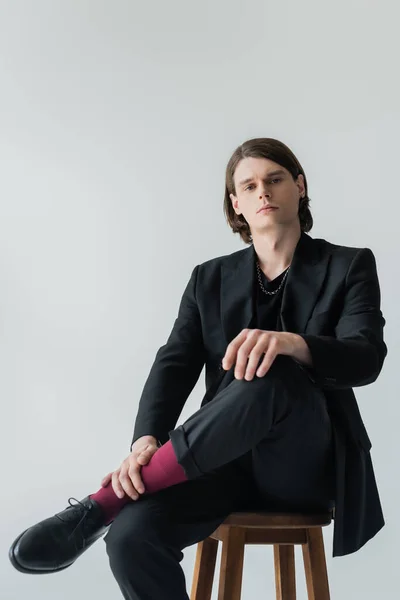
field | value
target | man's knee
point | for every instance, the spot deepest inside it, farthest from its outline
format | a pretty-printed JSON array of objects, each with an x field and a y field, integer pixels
[
  {"x": 128, "y": 531},
  {"x": 284, "y": 372},
  {"x": 279, "y": 373},
  {"x": 122, "y": 541},
  {"x": 135, "y": 532}
]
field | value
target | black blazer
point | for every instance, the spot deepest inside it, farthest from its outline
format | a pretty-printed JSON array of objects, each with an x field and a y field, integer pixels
[{"x": 332, "y": 299}]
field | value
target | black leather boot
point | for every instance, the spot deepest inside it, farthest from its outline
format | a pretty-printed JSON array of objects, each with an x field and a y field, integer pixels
[{"x": 55, "y": 543}]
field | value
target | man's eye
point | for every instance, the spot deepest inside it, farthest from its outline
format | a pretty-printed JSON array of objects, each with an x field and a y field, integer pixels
[{"x": 272, "y": 180}]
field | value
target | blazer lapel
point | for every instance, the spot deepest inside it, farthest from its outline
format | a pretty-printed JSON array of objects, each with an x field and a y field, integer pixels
[
  {"x": 237, "y": 294},
  {"x": 301, "y": 290}
]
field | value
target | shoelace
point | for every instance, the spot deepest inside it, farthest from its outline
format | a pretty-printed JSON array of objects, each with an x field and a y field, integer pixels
[{"x": 86, "y": 511}]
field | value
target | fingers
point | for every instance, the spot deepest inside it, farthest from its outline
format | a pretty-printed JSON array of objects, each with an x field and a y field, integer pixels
[
  {"x": 126, "y": 481},
  {"x": 135, "y": 478},
  {"x": 145, "y": 455},
  {"x": 116, "y": 485},
  {"x": 254, "y": 360},
  {"x": 269, "y": 358},
  {"x": 253, "y": 346},
  {"x": 106, "y": 480},
  {"x": 142, "y": 459},
  {"x": 246, "y": 351},
  {"x": 232, "y": 348}
]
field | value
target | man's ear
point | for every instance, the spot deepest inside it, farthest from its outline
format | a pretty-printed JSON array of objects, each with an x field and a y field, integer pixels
[
  {"x": 235, "y": 203},
  {"x": 301, "y": 184}
]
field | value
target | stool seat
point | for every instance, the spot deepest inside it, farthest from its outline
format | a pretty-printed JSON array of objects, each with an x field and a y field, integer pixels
[
  {"x": 281, "y": 530},
  {"x": 278, "y": 520}
]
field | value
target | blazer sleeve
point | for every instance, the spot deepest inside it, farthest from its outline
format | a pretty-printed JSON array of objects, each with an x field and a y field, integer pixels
[
  {"x": 175, "y": 371},
  {"x": 355, "y": 355}
]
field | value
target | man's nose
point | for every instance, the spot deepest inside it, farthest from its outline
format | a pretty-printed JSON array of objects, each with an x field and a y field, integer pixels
[{"x": 264, "y": 191}]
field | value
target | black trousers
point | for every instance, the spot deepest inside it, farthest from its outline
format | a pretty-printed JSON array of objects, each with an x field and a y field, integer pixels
[{"x": 264, "y": 444}]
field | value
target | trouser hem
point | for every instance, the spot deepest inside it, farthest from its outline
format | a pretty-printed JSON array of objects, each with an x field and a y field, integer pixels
[{"x": 183, "y": 453}]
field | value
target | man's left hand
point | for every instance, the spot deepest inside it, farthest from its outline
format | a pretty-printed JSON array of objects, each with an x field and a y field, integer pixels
[{"x": 247, "y": 348}]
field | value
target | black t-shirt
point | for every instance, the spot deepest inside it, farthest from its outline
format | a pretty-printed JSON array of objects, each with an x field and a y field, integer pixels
[{"x": 267, "y": 307}]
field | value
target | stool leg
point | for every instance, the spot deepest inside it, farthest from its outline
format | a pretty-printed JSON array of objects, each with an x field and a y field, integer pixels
[
  {"x": 285, "y": 578},
  {"x": 315, "y": 565},
  {"x": 230, "y": 578},
  {"x": 204, "y": 569}
]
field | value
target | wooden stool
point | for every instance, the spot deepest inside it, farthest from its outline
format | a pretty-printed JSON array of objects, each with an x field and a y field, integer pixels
[{"x": 283, "y": 531}]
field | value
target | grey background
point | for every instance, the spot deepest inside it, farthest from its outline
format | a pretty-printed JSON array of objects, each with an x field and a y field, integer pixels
[{"x": 116, "y": 123}]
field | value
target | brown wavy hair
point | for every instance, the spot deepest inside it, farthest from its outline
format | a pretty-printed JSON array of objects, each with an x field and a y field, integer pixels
[{"x": 273, "y": 150}]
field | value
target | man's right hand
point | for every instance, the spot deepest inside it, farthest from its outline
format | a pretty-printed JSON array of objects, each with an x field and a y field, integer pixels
[{"x": 126, "y": 479}]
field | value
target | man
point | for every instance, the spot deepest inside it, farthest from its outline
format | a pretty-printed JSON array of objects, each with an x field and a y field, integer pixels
[{"x": 286, "y": 328}]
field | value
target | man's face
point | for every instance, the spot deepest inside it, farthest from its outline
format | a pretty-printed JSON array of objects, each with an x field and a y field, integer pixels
[{"x": 260, "y": 181}]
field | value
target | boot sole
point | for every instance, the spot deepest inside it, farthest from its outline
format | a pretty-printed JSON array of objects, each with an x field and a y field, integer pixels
[{"x": 22, "y": 569}]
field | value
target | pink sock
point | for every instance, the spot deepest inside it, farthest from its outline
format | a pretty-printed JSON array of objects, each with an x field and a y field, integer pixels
[{"x": 163, "y": 470}]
